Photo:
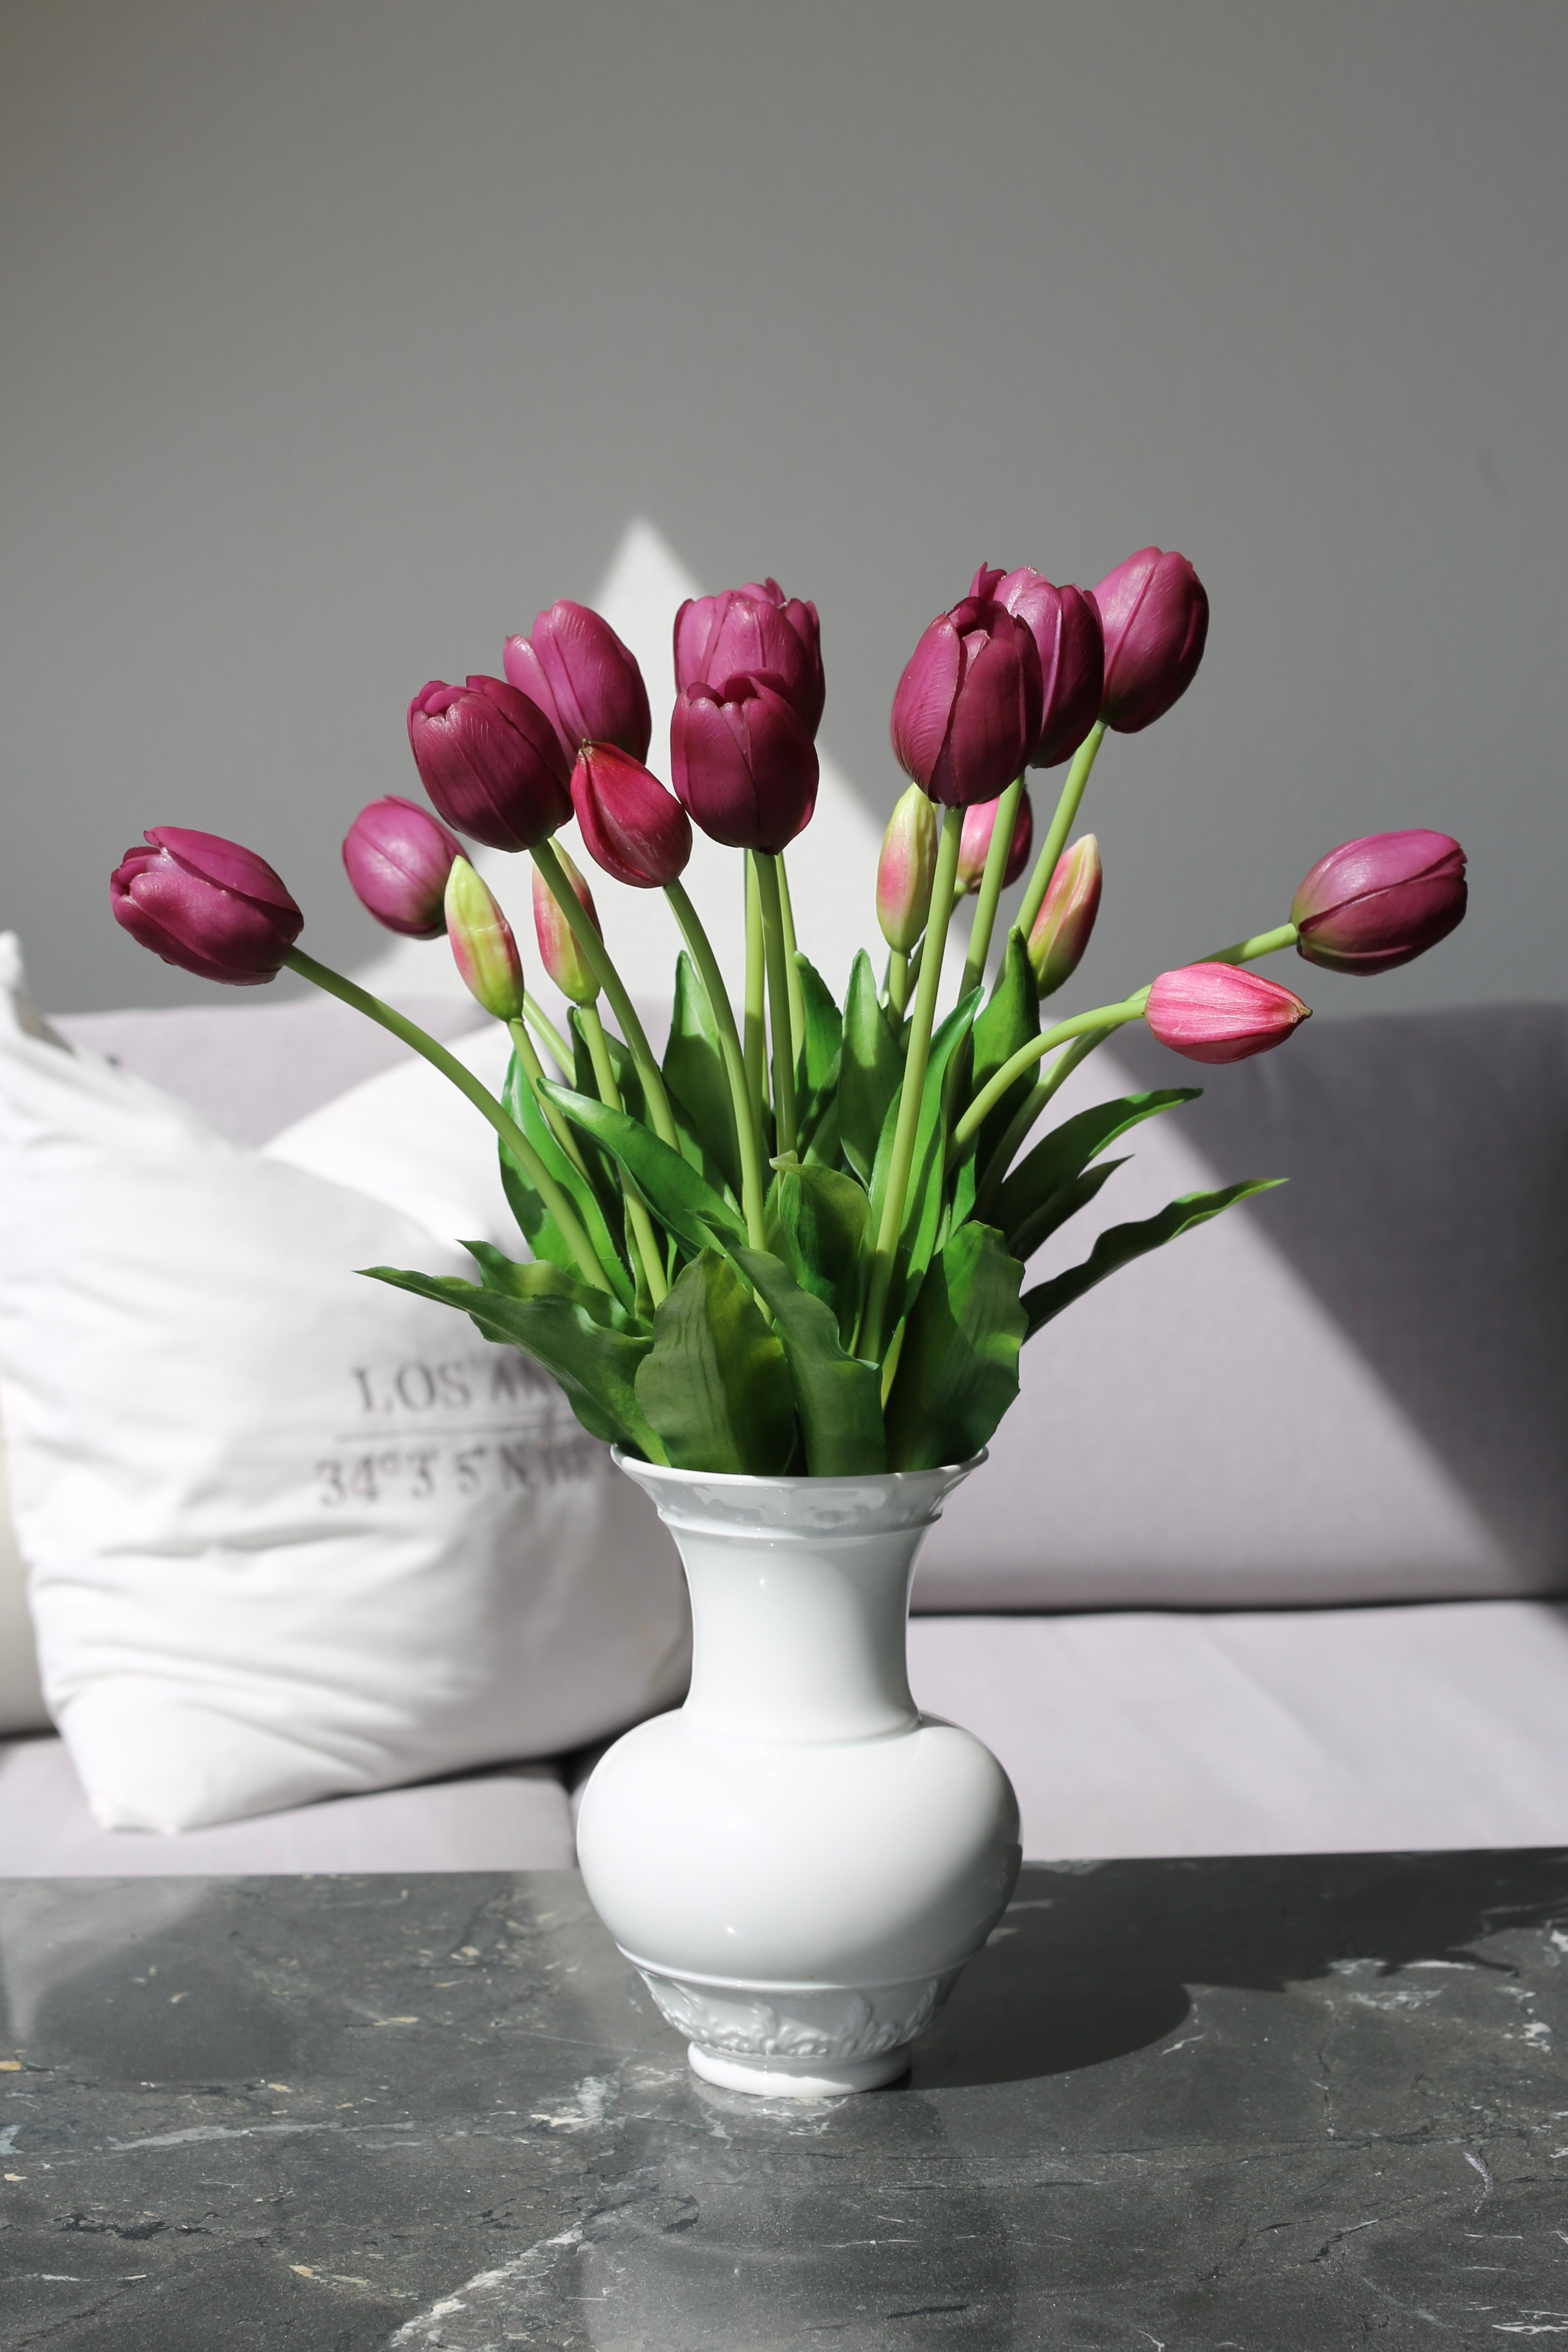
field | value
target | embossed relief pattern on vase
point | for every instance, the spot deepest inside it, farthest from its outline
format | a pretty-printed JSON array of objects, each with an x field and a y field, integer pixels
[{"x": 841, "y": 2024}]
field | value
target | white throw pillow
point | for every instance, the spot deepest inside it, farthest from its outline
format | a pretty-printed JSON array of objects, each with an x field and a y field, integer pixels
[{"x": 291, "y": 1533}]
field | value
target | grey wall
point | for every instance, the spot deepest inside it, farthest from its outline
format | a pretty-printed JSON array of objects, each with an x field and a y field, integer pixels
[{"x": 338, "y": 338}]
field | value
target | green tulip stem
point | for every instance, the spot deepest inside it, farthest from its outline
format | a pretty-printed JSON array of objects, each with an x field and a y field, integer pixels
[
  {"x": 754, "y": 1015},
  {"x": 1060, "y": 826},
  {"x": 637, "y": 1208},
  {"x": 870, "y": 1344},
  {"x": 898, "y": 983},
  {"x": 748, "y": 1128},
  {"x": 533, "y": 1070},
  {"x": 792, "y": 970},
  {"x": 555, "y": 1044},
  {"x": 994, "y": 1172},
  {"x": 596, "y": 956},
  {"x": 1104, "y": 1018},
  {"x": 348, "y": 991},
  {"x": 779, "y": 1015},
  {"x": 1261, "y": 943},
  {"x": 1248, "y": 951},
  {"x": 991, "y": 888}
]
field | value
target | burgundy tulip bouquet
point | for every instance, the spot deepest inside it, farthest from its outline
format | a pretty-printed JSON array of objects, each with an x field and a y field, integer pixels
[{"x": 797, "y": 1239}]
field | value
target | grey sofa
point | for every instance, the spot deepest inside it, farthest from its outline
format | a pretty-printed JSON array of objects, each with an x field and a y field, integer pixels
[{"x": 1272, "y": 1555}]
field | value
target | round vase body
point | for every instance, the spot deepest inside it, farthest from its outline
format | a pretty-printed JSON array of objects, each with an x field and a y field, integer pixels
[{"x": 796, "y": 1861}]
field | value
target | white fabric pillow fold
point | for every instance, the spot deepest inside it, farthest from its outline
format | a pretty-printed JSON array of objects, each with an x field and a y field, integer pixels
[{"x": 291, "y": 1533}]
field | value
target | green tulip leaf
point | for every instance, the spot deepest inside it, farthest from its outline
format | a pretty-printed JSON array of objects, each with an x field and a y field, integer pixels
[
  {"x": 581, "y": 1336},
  {"x": 958, "y": 1368},
  {"x": 923, "y": 1201},
  {"x": 538, "y": 1228},
  {"x": 715, "y": 1385},
  {"x": 679, "y": 1195},
  {"x": 1068, "y": 1150},
  {"x": 837, "y": 1396},
  {"x": 699, "y": 1090},
  {"x": 1010, "y": 1018},
  {"x": 1064, "y": 1203},
  {"x": 818, "y": 1055},
  {"x": 869, "y": 1071},
  {"x": 1119, "y": 1244},
  {"x": 817, "y": 1226}
]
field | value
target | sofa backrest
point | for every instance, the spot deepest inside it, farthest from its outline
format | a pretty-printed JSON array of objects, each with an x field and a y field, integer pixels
[{"x": 1354, "y": 1388}]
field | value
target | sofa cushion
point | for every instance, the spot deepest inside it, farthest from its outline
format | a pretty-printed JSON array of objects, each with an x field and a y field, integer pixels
[
  {"x": 1354, "y": 1388},
  {"x": 1288, "y": 1731},
  {"x": 516, "y": 1819}
]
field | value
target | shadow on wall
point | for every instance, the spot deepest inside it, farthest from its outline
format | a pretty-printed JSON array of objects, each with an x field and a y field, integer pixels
[
  {"x": 1426, "y": 1211},
  {"x": 1096, "y": 1962}
]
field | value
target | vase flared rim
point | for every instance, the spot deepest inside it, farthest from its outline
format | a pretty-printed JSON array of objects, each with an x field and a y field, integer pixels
[{"x": 745, "y": 1482}]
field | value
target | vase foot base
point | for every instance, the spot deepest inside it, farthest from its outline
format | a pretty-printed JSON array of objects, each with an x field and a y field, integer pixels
[{"x": 801, "y": 2078}]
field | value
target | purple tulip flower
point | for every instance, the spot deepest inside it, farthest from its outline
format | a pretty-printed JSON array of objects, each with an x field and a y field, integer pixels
[
  {"x": 583, "y": 677},
  {"x": 1065, "y": 627},
  {"x": 967, "y": 714},
  {"x": 206, "y": 904},
  {"x": 1155, "y": 612},
  {"x": 1380, "y": 901},
  {"x": 742, "y": 763},
  {"x": 630, "y": 825},
  {"x": 397, "y": 856},
  {"x": 754, "y": 631},
  {"x": 1221, "y": 1013},
  {"x": 491, "y": 762}
]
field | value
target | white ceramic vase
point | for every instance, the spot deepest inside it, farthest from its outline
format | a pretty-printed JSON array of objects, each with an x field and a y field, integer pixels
[{"x": 796, "y": 1861}]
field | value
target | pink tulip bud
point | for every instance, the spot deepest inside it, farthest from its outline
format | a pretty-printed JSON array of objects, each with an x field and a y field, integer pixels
[
  {"x": 967, "y": 714},
  {"x": 1380, "y": 901},
  {"x": 742, "y": 763},
  {"x": 1156, "y": 612},
  {"x": 491, "y": 762},
  {"x": 586, "y": 681},
  {"x": 558, "y": 950},
  {"x": 1221, "y": 1013},
  {"x": 397, "y": 856},
  {"x": 974, "y": 843},
  {"x": 1065, "y": 624},
  {"x": 206, "y": 904},
  {"x": 905, "y": 870},
  {"x": 1066, "y": 919},
  {"x": 483, "y": 947},
  {"x": 630, "y": 826},
  {"x": 754, "y": 631}
]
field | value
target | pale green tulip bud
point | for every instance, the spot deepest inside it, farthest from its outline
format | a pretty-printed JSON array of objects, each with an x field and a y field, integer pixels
[
  {"x": 558, "y": 950},
  {"x": 1066, "y": 919},
  {"x": 483, "y": 948},
  {"x": 905, "y": 870}
]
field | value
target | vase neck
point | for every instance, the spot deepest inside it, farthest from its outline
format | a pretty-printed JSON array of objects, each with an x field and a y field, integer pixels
[{"x": 798, "y": 1639}]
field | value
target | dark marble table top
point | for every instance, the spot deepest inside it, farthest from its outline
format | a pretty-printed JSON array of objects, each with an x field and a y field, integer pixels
[{"x": 1249, "y": 2103}]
